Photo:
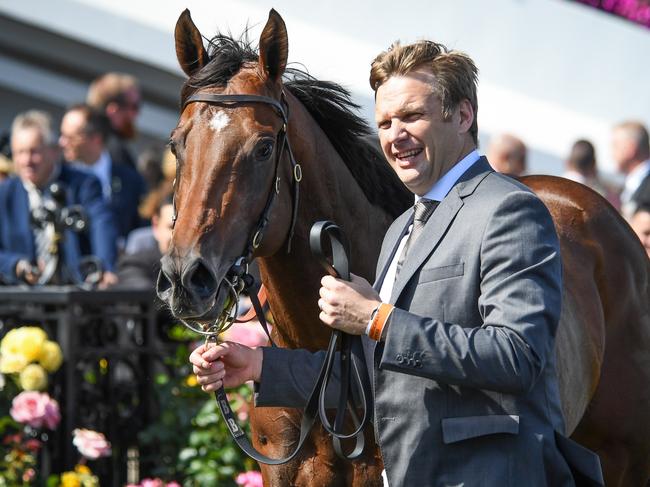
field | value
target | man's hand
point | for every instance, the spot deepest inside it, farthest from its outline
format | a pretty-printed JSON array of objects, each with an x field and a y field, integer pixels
[
  {"x": 347, "y": 305},
  {"x": 26, "y": 272},
  {"x": 229, "y": 364},
  {"x": 108, "y": 279}
]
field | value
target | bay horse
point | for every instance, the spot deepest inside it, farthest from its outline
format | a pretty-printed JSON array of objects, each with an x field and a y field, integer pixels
[{"x": 226, "y": 172}]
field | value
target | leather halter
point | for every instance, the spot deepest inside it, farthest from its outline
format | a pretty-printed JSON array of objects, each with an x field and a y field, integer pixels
[{"x": 281, "y": 108}]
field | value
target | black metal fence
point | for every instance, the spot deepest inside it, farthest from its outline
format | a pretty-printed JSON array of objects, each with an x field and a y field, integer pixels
[{"x": 113, "y": 343}]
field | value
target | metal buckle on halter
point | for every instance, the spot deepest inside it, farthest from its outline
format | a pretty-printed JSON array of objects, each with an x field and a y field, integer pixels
[{"x": 297, "y": 173}]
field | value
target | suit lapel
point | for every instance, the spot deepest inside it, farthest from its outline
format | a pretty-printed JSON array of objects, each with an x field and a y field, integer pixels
[{"x": 437, "y": 226}]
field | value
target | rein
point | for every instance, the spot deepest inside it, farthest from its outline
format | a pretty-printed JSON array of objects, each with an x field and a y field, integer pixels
[{"x": 238, "y": 280}]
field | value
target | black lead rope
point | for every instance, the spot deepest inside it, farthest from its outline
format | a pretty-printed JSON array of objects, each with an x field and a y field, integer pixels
[{"x": 350, "y": 368}]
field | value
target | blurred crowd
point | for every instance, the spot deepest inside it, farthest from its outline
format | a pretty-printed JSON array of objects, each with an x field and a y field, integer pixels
[
  {"x": 630, "y": 148},
  {"x": 73, "y": 192},
  {"x": 73, "y": 189}
]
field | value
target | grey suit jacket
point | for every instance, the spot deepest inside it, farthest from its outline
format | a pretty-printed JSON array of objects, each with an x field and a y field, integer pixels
[{"x": 465, "y": 384}]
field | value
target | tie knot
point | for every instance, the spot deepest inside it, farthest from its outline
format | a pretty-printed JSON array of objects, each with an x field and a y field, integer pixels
[{"x": 423, "y": 209}]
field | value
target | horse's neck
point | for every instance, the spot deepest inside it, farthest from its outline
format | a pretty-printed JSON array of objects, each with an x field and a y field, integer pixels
[{"x": 327, "y": 192}]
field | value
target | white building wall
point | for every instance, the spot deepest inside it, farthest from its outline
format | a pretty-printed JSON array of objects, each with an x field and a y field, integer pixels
[{"x": 551, "y": 71}]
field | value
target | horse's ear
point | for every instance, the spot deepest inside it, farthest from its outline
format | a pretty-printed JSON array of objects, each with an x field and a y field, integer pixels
[
  {"x": 189, "y": 45},
  {"x": 274, "y": 47}
]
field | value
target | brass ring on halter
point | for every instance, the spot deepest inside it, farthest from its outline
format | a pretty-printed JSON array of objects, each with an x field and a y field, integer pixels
[
  {"x": 277, "y": 185},
  {"x": 297, "y": 173},
  {"x": 257, "y": 239},
  {"x": 225, "y": 319}
]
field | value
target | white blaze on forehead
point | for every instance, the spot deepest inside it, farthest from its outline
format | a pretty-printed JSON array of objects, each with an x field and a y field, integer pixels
[{"x": 219, "y": 121}]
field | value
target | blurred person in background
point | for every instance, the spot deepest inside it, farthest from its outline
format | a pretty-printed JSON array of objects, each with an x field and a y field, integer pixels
[
  {"x": 23, "y": 247},
  {"x": 581, "y": 167},
  {"x": 140, "y": 270},
  {"x": 631, "y": 153},
  {"x": 117, "y": 95},
  {"x": 142, "y": 238},
  {"x": 6, "y": 167},
  {"x": 84, "y": 132},
  {"x": 507, "y": 155},
  {"x": 640, "y": 223},
  {"x": 150, "y": 166}
]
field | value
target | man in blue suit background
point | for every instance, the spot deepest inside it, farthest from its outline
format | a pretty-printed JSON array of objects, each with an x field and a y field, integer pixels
[
  {"x": 84, "y": 132},
  {"x": 35, "y": 158}
]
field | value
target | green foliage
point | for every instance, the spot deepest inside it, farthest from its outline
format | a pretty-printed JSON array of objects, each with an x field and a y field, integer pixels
[{"x": 189, "y": 442}]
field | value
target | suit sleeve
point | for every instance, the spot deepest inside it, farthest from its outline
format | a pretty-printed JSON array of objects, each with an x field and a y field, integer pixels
[
  {"x": 288, "y": 377},
  {"x": 103, "y": 230},
  {"x": 519, "y": 303}
]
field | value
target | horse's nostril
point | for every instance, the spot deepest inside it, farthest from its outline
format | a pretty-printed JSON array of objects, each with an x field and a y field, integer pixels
[
  {"x": 163, "y": 285},
  {"x": 202, "y": 282}
]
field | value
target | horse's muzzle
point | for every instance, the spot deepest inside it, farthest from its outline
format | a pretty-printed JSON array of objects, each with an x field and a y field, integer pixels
[{"x": 189, "y": 288}]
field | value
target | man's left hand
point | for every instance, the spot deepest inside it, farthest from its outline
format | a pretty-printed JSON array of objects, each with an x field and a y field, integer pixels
[{"x": 347, "y": 305}]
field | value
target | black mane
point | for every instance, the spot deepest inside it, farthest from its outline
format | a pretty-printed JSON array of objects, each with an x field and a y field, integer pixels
[{"x": 333, "y": 109}]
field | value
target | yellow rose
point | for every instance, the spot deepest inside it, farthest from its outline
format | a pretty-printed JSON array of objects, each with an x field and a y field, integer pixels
[
  {"x": 26, "y": 340},
  {"x": 82, "y": 469},
  {"x": 90, "y": 481},
  {"x": 70, "y": 479},
  {"x": 51, "y": 356},
  {"x": 190, "y": 381},
  {"x": 33, "y": 378},
  {"x": 12, "y": 363}
]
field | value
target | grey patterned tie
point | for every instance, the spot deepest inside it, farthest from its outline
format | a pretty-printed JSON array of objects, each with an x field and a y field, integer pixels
[{"x": 423, "y": 209}]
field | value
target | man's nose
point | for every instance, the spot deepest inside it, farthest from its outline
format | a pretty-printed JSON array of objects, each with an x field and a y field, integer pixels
[{"x": 397, "y": 132}]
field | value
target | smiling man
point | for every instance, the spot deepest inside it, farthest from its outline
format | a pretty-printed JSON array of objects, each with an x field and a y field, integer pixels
[{"x": 459, "y": 328}]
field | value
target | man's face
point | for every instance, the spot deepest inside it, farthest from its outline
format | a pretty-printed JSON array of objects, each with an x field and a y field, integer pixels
[
  {"x": 419, "y": 145},
  {"x": 33, "y": 159},
  {"x": 162, "y": 227},
  {"x": 124, "y": 115},
  {"x": 623, "y": 150},
  {"x": 640, "y": 223},
  {"x": 78, "y": 145}
]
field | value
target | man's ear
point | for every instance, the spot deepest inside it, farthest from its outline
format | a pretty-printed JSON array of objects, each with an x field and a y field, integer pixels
[{"x": 466, "y": 115}]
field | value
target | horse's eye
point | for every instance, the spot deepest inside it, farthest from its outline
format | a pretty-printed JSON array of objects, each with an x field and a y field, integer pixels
[{"x": 264, "y": 150}]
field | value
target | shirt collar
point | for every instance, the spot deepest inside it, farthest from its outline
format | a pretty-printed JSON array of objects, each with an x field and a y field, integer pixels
[
  {"x": 638, "y": 174},
  {"x": 450, "y": 178}
]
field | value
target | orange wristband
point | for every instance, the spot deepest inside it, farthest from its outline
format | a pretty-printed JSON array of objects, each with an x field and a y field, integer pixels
[{"x": 379, "y": 320}]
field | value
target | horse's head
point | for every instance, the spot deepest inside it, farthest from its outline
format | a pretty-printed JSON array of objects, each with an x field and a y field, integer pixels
[{"x": 233, "y": 172}]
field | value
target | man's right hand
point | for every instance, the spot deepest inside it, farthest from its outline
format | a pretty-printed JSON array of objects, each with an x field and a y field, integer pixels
[
  {"x": 26, "y": 272},
  {"x": 230, "y": 364}
]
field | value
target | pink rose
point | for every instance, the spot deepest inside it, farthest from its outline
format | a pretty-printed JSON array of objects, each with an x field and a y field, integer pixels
[
  {"x": 37, "y": 409},
  {"x": 251, "y": 478},
  {"x": 152, "y": 483},
  {"x": 91, "y": 444},
  {"x": 173, "y": 484}
]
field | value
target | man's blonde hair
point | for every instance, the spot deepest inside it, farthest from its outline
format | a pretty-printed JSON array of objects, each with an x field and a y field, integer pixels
[
  {"x": 35, "y": 119},
  {"x": 110, "y": 88},
  {"x": 455, "y": 73}
]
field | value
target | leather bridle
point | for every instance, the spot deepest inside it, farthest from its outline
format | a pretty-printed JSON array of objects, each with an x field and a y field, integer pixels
[{"x": 238, "y": 279}]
